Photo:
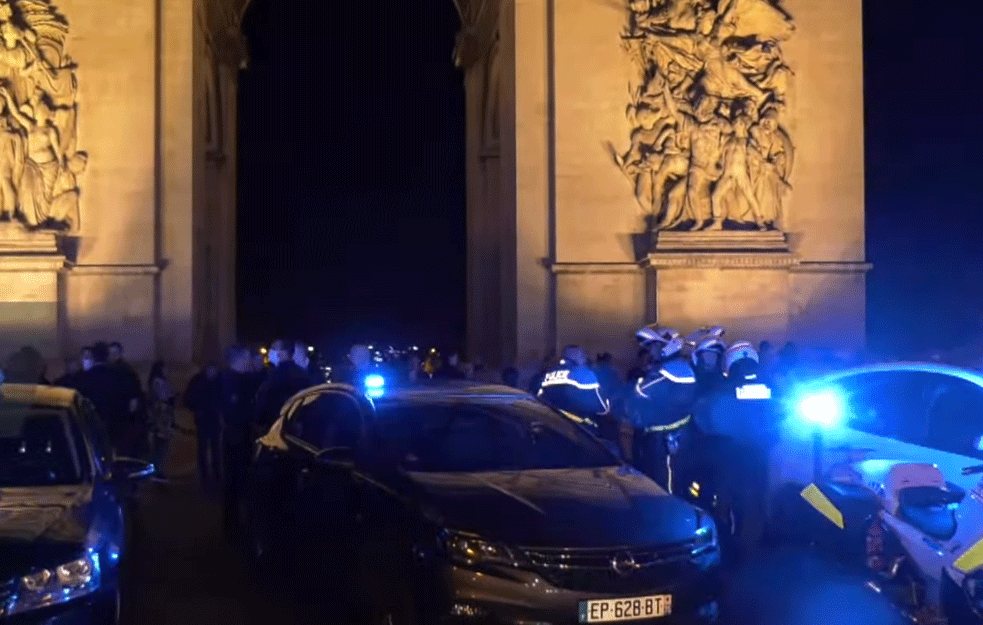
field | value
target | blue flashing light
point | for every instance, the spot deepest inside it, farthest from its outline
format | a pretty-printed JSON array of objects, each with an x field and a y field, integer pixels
[
  {"x": 824, "y": 409},
  {"x": 374, "y": 385}
]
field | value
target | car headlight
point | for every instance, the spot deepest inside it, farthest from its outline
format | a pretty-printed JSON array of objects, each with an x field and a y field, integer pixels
[
  {"x": 706, "y": 532},
  {"x": 470, "y": 549},
  {"x": 46, "y": 587}
]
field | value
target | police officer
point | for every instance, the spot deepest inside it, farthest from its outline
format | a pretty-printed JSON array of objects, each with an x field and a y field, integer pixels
[
  {"x": 736, "y": 428},
  {"x": 572, "y": 388},
  {"x": 742, "y": 408},
  {"x": 661, "y": 404},
  {"x": 707, "y": 360}
]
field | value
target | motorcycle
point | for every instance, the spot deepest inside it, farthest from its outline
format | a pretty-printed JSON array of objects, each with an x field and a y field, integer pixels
[{"x": 916, "y": 538}]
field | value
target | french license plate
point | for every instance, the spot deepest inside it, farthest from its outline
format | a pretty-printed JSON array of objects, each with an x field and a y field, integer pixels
[
  {"x": 616, "y": 610},
  {"x": 753, "y": 391}
]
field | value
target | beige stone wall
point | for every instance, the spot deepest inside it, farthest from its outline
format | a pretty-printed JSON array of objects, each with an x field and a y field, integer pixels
[
  {"x": 752, "y": 303},
  {"x": 601, "y": 310},
  {"x": 115, "y": 53},
  {"x": 596, "y": 213},
  {"x": 178, "y": 107},
  {"x": 155, "y": 259},
  {"x": 826, "y": 214},
  {"x": 553, "y": 249}
]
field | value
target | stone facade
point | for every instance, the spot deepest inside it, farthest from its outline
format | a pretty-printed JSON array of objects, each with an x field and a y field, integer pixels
[
  {"x": 148, "y": 256},
  {"x": 675, "y": 161}
]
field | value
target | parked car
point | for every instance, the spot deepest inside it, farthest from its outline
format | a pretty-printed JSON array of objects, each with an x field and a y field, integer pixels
[
  {"x": 459, "y": 503},
  {"x": 880, "y": 465},
  {"x": 63, "y": 519},
  {"x": 917, "y": 412}
]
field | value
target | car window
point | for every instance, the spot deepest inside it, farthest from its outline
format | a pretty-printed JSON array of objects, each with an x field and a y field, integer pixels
[
  {"x": 477, "y": 436},
  {"x": 328, "y": 419},
  {"x": 954, "y": 410},
  {"x": 99, "y": 437},
  {"x": 40, "y": 446},
  {"x": 888, "y": 404}
]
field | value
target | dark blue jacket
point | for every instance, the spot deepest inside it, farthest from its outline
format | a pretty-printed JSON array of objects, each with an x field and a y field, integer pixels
[
  {"x": 664, "y": 398},
  {"x": 574, "y": 389}
]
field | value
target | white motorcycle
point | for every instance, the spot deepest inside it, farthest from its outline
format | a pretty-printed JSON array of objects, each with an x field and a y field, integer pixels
[{"x": 917, "y": 537}]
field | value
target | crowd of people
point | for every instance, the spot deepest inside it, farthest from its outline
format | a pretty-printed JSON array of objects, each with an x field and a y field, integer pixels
[
  {"x": 236, "y": 401},
  {"x": 231, "y": 402}
]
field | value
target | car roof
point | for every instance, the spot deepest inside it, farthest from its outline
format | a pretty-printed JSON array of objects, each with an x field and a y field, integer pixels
[
  {"x": 40, "y": 394},
  {"x": 968, "y": 375},
  {"x": 428, "y": 391},
  {"x": 432, "y": 391}
]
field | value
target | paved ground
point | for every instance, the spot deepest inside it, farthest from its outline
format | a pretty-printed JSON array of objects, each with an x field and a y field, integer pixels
[{"x": 186, "y": 574}]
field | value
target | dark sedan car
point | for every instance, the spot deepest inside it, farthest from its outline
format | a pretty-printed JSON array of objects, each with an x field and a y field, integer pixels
[
  {"x": 470, "y": 504},
  {"x": 62, "y": 510}
]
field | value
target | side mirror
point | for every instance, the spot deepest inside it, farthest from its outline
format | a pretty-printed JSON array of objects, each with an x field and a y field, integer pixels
[
  {"x": 339, "y": 457},
  {"x": 132, "y": 469}
]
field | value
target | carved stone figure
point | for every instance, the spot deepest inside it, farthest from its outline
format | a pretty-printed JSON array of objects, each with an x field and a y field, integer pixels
[
  {"x": 39, "y": 163},
  {"x": 708, "y": 146},
  {"x": 734, "y": 196}
]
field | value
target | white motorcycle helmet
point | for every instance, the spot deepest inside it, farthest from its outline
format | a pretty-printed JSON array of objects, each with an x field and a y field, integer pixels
[
  {"x": 712, "y": 344},
  {"x": 667, "y": 340},
  {"x": 741, "y": 350},
  {"x": 696, "y": 337}
]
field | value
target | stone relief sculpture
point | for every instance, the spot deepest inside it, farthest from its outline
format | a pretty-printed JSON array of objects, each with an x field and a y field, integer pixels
[
  {"x": 39, "y": 162},
  {"x": 709, "y": 148}
]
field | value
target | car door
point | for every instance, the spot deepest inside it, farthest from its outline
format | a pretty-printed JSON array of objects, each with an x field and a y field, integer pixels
[
  {"x": 323, "y": 434},
  {"x": 955, "y": 424}
]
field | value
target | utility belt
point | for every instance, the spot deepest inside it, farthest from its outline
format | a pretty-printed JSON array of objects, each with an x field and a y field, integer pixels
[{"x": 580, "y": 420}]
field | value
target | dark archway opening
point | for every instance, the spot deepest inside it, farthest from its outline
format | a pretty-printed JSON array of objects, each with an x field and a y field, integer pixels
[{"x": 351, "y": 174}]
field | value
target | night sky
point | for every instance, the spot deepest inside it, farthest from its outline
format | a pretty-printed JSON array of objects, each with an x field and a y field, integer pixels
[{"x": 351, "y": 156}]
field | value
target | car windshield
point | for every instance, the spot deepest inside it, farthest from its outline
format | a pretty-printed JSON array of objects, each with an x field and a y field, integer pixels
[
  {"x": 472, "y": 436},
  {"x": 39, "y": 446}
]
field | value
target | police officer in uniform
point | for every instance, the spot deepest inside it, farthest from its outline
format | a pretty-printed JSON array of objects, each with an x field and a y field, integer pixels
[
  {"x": 707, "y": 359},
  {"x": 661, "y": 404},
  {"x": 572, "y": 388},
  {"x": 736, "y": 427}
]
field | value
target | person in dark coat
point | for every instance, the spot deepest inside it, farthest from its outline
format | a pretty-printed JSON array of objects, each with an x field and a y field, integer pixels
[
  {"x": 137, "y": 428},
  {"x": 100, "y": 385},
  {"x": 203, "y": 398},
  {"x": 284, "y": 380},
  {"x": 302, "y": 356},
  {"x": 238, "y": 397},
  {"x": 73, "y": 368}
]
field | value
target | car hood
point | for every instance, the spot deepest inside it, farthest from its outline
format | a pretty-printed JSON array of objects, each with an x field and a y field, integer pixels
[
  {"x": 570, "y": 508},
  {"x": 41, "y": 527}
]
